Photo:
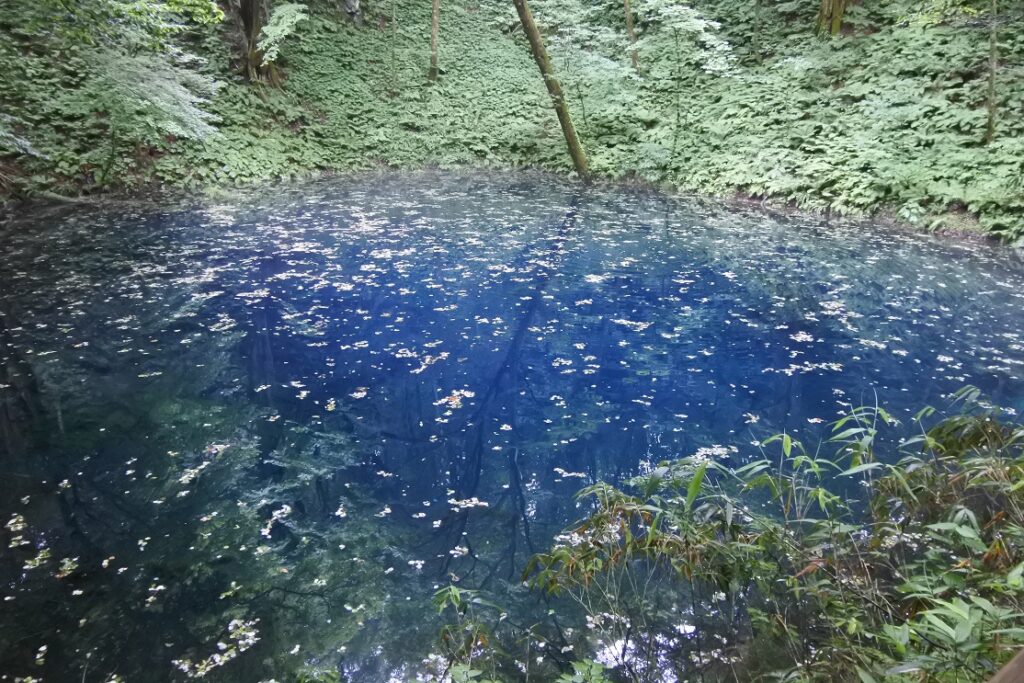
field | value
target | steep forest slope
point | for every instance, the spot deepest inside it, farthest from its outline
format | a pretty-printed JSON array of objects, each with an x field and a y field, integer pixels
[{"x": 909, "y": 106}]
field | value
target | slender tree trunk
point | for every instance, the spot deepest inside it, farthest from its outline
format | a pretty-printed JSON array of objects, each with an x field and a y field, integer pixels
[
  {"x": 540, "y": 55},
  {"x": 105, "y": 171},
  {"x": 435, "y": 29},
  {"x": 631, "y": 32},
  {"x": 678, "y": 81},
  {"x": 393, "y": 66},
  {"x": 993, "y": 67},
  {"x": 838, "y": 9}
]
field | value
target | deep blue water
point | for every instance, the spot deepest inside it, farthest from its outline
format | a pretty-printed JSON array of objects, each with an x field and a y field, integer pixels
[{"x": 307, "y": 408}]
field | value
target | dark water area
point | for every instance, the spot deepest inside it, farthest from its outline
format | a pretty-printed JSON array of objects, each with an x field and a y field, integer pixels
[{"x": 250, "y": 437}]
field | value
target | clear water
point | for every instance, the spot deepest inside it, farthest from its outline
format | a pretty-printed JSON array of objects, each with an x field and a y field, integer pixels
[{"x": 309, "y": 408}]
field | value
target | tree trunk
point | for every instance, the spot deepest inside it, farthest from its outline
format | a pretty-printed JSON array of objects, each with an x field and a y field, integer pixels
[
  {"x": 250, "y": 12},
  {"x": 631, "y": 32},
  {"x": 1013, "y": 671},
  {"x": 253, "y": 15},
  {"x": 353, "y": 10},
  {"x": 830, "y": 16},
  {"x": 540, "y": 55},
  {"x": 993, "y": 66},
  {"x": 393, "y": 66},
  {"x": 435, "y": 29}
]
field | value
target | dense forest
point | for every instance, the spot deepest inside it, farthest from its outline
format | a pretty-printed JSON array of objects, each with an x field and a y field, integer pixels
[{"x": 906, "y": 107}]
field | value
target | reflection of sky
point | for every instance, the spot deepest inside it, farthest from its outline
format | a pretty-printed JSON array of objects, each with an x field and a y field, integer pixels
[{"x": 493, "y": 345}]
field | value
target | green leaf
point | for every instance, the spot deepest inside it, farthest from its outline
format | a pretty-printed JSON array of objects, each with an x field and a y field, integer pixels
[
  {"x": 860, "y": 468},
  {"x": 962, "y": 529},
  {"x": 694, "y": 487}
]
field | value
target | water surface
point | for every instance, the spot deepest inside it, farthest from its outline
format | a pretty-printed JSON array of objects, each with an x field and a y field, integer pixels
[{"x": 279, "y": 422}]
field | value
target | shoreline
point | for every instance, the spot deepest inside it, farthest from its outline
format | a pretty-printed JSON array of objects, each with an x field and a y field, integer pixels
[{"x": 161, "y": 196}]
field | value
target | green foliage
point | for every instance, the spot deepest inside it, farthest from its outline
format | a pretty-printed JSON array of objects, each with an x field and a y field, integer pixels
[
  {"x": 282, "y": 23},
  {"x": 149, "y": 93},
  {"x": 348, "y": 105},
  {"x": 923, "y": 584},
  {"x": 585, "y": 672},
  {"x": 888, "y": 113},
  {"x": 96, "y": 94}
]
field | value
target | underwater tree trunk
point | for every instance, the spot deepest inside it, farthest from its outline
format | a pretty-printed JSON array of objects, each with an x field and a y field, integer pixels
[
  {"x": 435, "y": 29},
  {"x": 20, "y": 406},
  {"x": 540, "y": 55},
  {"x": 631, "y": 33}
]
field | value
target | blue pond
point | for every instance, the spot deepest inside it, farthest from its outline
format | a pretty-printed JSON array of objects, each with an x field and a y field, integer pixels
[{"x": 247, "y": 438}]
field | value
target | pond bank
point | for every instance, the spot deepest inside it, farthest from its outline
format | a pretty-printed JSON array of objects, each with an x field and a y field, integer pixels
[
  {"x": 963, "y": 227},
  {"x": 884, "y": 115}
]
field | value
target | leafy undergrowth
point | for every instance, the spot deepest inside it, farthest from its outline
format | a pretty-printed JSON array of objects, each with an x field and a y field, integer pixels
[
  {"x": 358, "y": 97},
  {"x": 728, "y": 98},
  {"x": 796, "y": 567}
]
